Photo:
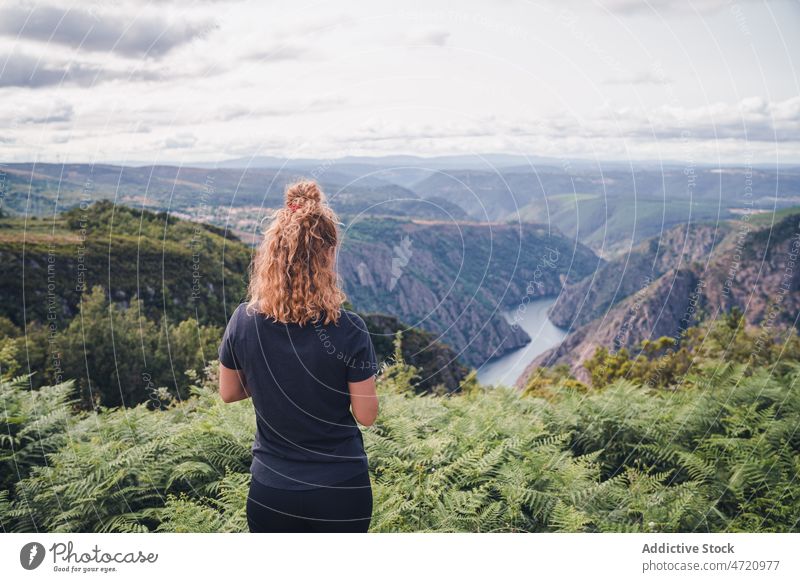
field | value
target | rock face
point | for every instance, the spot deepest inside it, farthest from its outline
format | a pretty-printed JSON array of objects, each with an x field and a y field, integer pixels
[
  {"x": 455, "y": 279},
  {"x": 679, "y": 247},
  {"x": 750, "y": 265}
]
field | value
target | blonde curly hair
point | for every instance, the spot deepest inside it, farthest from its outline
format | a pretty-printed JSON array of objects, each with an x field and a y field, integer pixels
[{"x": 293, "y": 277}]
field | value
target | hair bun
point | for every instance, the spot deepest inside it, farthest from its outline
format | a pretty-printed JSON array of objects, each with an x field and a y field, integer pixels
[{"x": 303, "y": 192}]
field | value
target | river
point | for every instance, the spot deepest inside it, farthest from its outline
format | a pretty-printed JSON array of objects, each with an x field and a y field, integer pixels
[{"x": 544, "y": 335}]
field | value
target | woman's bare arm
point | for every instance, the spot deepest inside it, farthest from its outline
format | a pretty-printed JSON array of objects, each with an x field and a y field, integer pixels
[
  {"x": 232, "y": 385},
  {"x": 364, "y": 400}
]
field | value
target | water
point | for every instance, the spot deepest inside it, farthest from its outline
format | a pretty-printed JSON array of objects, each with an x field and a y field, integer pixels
[{"x": 544, "y": 335}]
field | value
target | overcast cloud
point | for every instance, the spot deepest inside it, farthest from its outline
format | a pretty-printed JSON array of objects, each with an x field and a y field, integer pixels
[
  {"x": 184, "y": 80},
  {"x": 140, "y": 35}
]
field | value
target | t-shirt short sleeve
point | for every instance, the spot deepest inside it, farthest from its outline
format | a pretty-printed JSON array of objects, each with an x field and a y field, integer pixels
[
  {"x": 227, "y": 348},
  {"x": 362, "y": 363}
]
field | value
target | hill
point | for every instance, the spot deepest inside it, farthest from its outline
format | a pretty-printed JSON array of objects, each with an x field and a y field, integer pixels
[
  {"x": 749, "y": 265},
  {"x": 209, "y": 194},
  {"x": 496, "y": 263},
  {"x": 155, "y": 291},
  {"x": 589, "y": 298},
  {"x": 177, "y": 268}
]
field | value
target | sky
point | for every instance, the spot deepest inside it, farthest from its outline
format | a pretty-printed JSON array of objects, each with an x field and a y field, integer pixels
[{"x": 182, "y": 81}]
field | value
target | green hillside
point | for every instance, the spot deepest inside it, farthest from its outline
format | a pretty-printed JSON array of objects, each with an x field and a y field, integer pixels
[
  {"x": 612, "y": 223},
  {"x": 177, "y": 268},
  {"x": 127, "y": 301}
]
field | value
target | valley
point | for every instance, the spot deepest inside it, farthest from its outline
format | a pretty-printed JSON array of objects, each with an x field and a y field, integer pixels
[
  {"x": 112, "y": 313},
  {"x": 446, "y": 245}
]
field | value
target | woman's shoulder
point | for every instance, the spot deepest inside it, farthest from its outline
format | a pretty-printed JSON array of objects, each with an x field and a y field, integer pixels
[
  {"x": 241, "y": 311},
  {"x": 348, "y": 321},
  {"x": 351, "y": 319},
  {"x": 242, "y": 315}
]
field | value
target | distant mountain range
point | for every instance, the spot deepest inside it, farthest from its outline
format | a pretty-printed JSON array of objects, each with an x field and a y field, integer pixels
[
  {"x": 608, "y": 206},
  {"x": 450, "y": 279}
]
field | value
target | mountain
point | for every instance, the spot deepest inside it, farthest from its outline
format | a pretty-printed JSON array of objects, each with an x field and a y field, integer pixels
[
  {"x": 749, "y": 264},
  {"x": 179, "y": 270},
  {"x": 459, "y": 277},
  {"x": 213, "y": 195},
  {"x": 455, "y": 279},
  {"x": 383, "y": 162},
  {"x": 608, "y": 207}
]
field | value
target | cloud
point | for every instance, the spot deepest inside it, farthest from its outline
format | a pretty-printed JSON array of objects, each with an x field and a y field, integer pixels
[
  {"x": 60, "y": 113},
  {"x": 34, "y": 110},
  {"x": 625, "y": 7},
  {"x": 639, "y": 78},
  {"x": 180, "y": 141},
  {"x": 33, "y": 73},
  {"x": 278, "y": 52},
  {"x": 287, "y": 109},
  {"x": 753, "y": 119},
  {"x": 30, "y": 72},
  {"x": 375, "y": 131},
  {"x": 148, "y": 35},
  {"x": 289, "y": 42},
  {"x": 432, "y": 37}
]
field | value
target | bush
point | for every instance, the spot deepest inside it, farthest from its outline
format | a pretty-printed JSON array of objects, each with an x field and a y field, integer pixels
[{"x": 622, "y": 458}]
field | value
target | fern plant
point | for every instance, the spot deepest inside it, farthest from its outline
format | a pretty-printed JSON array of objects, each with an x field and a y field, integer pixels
[{"x": 720, "y": 456}]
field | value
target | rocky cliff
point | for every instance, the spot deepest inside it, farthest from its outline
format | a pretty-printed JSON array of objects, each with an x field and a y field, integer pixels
[
  {"x": 678, "y": 248},
  {"x": 455, "y": 279},
  {"x": 753, "y": 266}
]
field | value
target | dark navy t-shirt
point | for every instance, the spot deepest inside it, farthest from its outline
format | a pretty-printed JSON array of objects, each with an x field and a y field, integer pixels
[{"x": 306, "y": 436}]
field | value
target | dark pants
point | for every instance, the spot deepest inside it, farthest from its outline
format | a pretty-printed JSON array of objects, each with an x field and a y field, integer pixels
[{"x": 343, "y": 507}]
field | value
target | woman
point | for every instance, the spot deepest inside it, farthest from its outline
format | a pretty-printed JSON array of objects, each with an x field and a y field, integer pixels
[{"x": 309, "y": 366}]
